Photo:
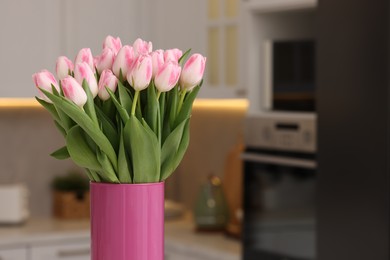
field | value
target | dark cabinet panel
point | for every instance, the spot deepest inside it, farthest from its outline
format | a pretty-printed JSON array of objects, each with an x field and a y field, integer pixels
[{"x": 353, "y": 111}]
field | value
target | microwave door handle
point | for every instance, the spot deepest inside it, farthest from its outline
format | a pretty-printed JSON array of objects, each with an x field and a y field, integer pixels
[{"x": 286, "y": 161}]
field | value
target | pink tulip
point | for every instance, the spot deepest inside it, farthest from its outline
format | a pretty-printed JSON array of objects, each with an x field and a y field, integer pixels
[
  {"x": 142, "y": 47},
  {"x": 107, "y": 79},
  {"x": 157, "y": 60},
  {"x": 172, "y": 55},
  {"x": 114, "y": 44},
  {"x": 44, "y": 80},
  {"x": 192, "y": 72},
  {"x": 167, "y": 77},
  {"x": 64, "y": 67},
  {"x": 73, "y": 91},
  {"x": 83, "y": 71},
  {"x": 105, "y": 60},
  {"x": 85, "y": 55},
  {"x": 123, "y": 61},
  {"x": 140, "y": 74}
]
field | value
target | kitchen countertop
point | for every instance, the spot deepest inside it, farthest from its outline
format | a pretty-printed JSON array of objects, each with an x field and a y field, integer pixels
[{"x": 179, "y": 236}]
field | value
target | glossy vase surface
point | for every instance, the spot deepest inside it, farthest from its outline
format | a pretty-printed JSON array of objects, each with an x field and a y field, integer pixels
[{"x": 127, "y": 221}]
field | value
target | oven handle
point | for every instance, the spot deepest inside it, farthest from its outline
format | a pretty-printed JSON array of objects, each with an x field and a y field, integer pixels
[{"x": 261, "y": 158}]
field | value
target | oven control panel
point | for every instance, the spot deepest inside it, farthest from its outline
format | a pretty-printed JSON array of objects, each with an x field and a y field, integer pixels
[{"x": 281, "y": 133}]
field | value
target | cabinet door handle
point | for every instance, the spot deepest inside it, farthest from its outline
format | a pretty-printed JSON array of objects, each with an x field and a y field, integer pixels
[
  {"x": 74, "y": 252},
  {"x": 271, "y": 159}
]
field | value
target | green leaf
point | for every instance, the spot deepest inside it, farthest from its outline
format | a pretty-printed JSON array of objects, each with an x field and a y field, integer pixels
[
  {"x": 108, "y": 128},
  {"x": 124, "y": 171},
  {"x": 152, "y": 108},
  {"x": 170, "y": 149},
  {"x": 124, "y": 97},
  {"x": 172, "y": 105},
  {"x": 162, "y": 106},
  {"x": 122, "y": 111},
  {"x": 51, "y": 108},
  {"x": 184, "y": 57},
  {"x": 145, "y": 151},
  {"x": 79, "y": 150},
  {"x": 74, "y": 112},
  {"x": 92, "y": 175},
  {"x": 108, "y": 172},
  {"x": 60, "y": 128},
  {"x": 66, "y": 121},
  {"x": 89, "y": 107},
  {"x": 186, "y": 109},
  {"x": 55, "y": 91},
  {"x": 108, "y": 108},
  {"x": 61, "y": 154}
]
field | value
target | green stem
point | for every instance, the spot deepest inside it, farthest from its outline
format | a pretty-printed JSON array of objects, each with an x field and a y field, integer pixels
[
  {"x": 158, "y": 95},
  {"x": 182, "y": 96},
  {"x": 135, "y": 102}
]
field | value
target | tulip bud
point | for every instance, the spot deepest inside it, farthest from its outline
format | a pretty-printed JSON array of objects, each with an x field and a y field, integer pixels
[
  {"x": 141, "y": 72},
  {"x": 44, "y": 80},
  {"x": 173, "y": 55},
  {"x": 83, "y": 71},
  {"x": 64, "y": 67},
  {"x": 157, "y": 61},
  {"x": 85, "y": 55},
  {"x": 167, "y": 76},
  {"x": 105, "y": 60},
  {"x": 107, "y": 79},
  {"x": 73, "y": 91},
  {"x": 192, "y": 72},
  {"x": 114, "y": 44},
  {"x": 142, "y": 47},
  {"x": 123, "y": 61}
]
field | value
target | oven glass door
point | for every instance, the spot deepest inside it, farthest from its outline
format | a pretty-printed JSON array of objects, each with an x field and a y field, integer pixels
[{"x": 279, "y": 207}]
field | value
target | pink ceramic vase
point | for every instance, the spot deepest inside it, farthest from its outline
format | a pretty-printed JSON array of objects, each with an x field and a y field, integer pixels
[{"x": 127, "y": 221}]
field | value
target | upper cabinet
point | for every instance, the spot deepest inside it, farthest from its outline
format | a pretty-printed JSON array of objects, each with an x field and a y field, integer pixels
[
  {"x": 86, "y": 23},
  {"x": 210, "y": 27},
  {"x": 31, "y": 39},
  {"x": 35, "y": 33}
]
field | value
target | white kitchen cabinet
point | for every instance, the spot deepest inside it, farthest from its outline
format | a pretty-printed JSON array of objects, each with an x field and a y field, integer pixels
[
  {"x": 13, "y": 254},
  {"x": 88, "y": 22},
  {"x": 35, "y": 33},
  {"x": 30, "y": 41},
  {"x": 73, "y": 251},
  {"x": 187, "y": 24}
]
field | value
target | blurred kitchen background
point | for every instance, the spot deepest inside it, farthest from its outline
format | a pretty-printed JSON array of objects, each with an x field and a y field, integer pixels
[{"x": 288, "y": 158}]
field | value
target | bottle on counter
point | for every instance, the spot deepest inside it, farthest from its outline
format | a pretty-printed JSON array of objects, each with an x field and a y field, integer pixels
[{"x": 211, "y": 211}]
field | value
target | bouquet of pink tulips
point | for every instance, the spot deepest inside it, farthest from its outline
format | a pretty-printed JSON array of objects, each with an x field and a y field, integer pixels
[{"x": 124, "y": 114}]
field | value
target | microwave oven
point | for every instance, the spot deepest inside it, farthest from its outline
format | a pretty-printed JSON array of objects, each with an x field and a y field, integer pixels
[
  {"x": 282, "y": 96},
  {"x": 289, "y": 76}
]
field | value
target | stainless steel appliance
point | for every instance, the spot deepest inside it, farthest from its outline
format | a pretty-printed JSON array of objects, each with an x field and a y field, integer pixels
[
  {"x": 291, "y": 75},
  {"x": 279, "y": 189}
]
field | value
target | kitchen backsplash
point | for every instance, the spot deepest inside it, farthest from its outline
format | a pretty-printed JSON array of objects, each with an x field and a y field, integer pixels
[
  {"x": 214, "y": 132},
  {"x": 28, "y": 136}
]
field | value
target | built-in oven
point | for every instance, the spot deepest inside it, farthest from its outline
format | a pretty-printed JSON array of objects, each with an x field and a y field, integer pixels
[{"x": 280, "y": 177}]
